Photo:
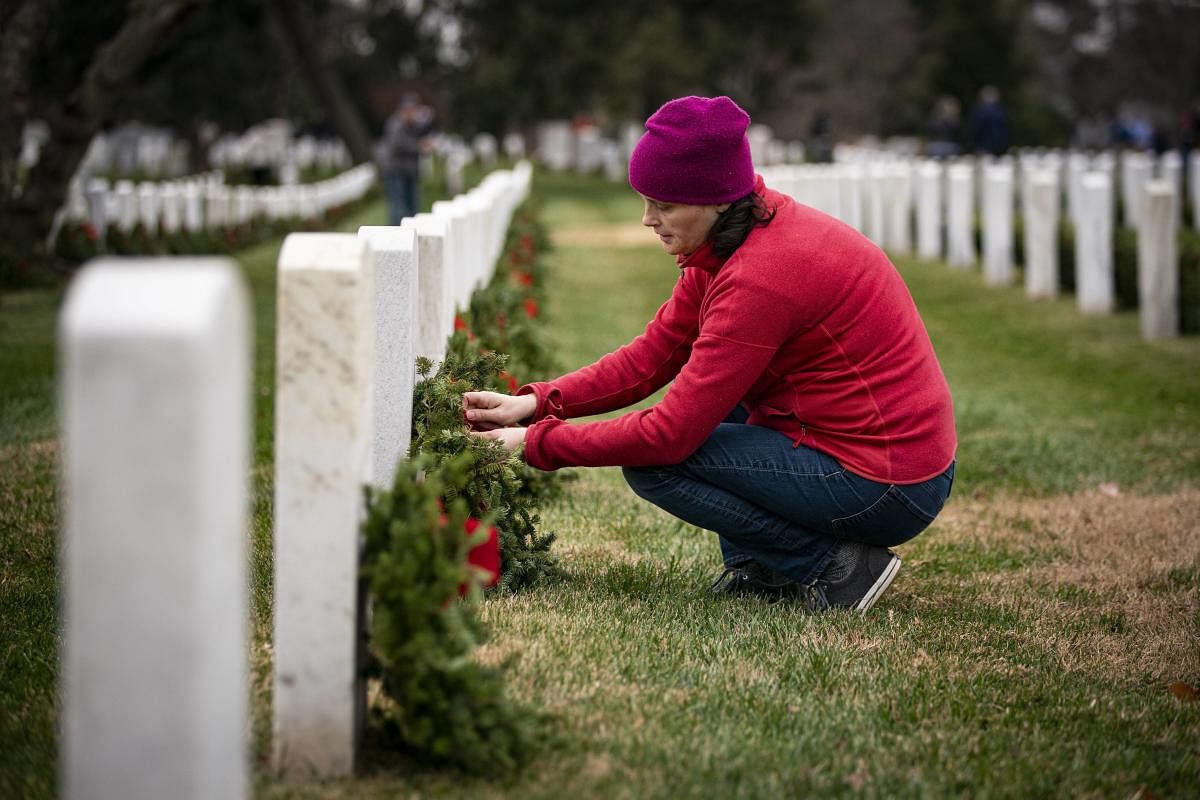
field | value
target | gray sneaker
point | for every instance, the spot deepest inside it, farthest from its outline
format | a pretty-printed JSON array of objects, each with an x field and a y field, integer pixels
[{"x": 858, "y": 590}]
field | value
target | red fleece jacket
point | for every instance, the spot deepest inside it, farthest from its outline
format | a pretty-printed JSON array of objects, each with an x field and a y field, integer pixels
[{"x": 807, "y": 324}]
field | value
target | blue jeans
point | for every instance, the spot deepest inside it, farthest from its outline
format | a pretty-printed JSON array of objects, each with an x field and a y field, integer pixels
[
  {"x": 786, "y": 507},
  {"x": 401, "y": 190}
]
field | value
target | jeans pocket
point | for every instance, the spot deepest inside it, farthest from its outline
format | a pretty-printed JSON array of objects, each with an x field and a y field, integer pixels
[
  {"x": 891, "y": 520},
  {"x": 929, "y": 497}
]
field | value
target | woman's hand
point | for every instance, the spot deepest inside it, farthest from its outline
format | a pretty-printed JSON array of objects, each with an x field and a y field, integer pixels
[
  {"x": 511, "y": 438},
  {"x": 488, "y": 411}
]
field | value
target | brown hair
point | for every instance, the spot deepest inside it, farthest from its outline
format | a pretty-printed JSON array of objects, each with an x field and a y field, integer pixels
[{"x": 734, "y": 224}]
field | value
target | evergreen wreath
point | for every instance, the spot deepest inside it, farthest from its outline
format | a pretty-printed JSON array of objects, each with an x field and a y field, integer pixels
[
  {"x": 501, "y": 486},
  {"x": 434, "y": 699}
]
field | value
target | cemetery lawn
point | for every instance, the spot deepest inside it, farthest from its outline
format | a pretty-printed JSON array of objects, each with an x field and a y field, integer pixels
[{"x": 1041, "y": 638}]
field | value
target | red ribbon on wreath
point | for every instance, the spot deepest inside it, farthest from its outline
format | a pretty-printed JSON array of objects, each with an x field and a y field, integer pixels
[{"x": 484, "y": 556}]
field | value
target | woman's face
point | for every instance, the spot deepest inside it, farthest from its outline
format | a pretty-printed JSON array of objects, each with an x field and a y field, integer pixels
[{"x": 681, "y": 228}]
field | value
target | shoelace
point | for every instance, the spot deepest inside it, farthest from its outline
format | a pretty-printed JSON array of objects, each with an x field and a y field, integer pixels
[
  {"x": 737, "y": 573},
  {"x": 814, "y": 596}
]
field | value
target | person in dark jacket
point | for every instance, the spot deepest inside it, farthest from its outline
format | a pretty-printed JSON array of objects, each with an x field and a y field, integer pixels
[
  {"x": 405, "y": 138},
  {"x": 989, "y": 123},
  {"x": 808, "y": 422}
]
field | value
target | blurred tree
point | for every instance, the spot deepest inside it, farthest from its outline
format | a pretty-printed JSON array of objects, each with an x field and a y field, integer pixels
[
  {"x": 966, "y": 46},
  {"x": 221, "y": 66},
  {"x": 65, "y": 65},
  {"x": 514, "y": 63},
  {"x": 295, "y": 34}
]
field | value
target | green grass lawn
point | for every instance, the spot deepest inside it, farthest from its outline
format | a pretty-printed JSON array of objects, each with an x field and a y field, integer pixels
[{"x": 1026, "y": 648}]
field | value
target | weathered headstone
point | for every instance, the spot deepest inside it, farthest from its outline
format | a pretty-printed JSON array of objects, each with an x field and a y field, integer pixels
[
  {"x": 899, "y": 207},
  {"x": 514, "y": 146},
  {"x": 243, "y": 204},
  {"x": 216, "y": 206},
  {"x": 149, "y": 207},
  {"x": 395, "y": 266},
  {"x": 323, "y": 417},
  {"x": 960, "y": 239},
  {"x": 997, "y": 224},
  {"x": 875, "y": 220},
  {"x": 457, "y": 252},
  {"x": 96, "y": 195},
  {"x": 556, "y": 144},
  {"x": 850, "y": 192},
  {"x": 193, "y": 207},
  {"x": 172, "y": 207},
  {"x": 1194, "y": 186},
  {"x": 1094, "y": 245},
  {"x": 1158, "y": 262},
  {"x": 1041, "y": 234},
  {"x": 155, "y": 409},
  {"x": 486, "y": 149},
  {"x": 1170, "y": 169},
  {"x": 435, "y": 309},
  {"x": 759, "y": 136},
  {"x": 929, "y": 210},
  {"x": 1077, "y": 167},
  {"x": 1136, "y": 169},
  {"x": 126, "y": 205},
  {"x": 455, "y": 163}
]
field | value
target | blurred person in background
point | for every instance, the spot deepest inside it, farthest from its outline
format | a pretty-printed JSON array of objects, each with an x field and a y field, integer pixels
[
  {"x": 405, "y": 138},
  {"x": 989, "y": 123},
  {"x": 945, "y": 128}
]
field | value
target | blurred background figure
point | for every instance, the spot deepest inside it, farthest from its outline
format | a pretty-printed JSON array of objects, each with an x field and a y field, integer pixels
[
  {"x": 405, "y": 138},
  {"x": 820, "y": 137},
  {"x": 989, "y": 123},
  {"x": 945, "y": 128}
]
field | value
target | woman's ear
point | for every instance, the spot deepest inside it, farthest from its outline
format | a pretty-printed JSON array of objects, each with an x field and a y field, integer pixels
[{"x": 722, "y": 208}]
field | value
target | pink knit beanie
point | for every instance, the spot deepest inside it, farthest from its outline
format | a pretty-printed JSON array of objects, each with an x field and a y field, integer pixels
[{"x": 694, "y": 151}]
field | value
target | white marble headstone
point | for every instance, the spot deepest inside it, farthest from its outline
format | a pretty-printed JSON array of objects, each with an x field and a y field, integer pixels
[
  {"x": 1158, "y": 262},
  {"x": 435, "y": 315},
  {"x": 325, "y": 360},
  {"x": 395, "y": 264},
  {"x": 1041, "y": 234},
  {"x": 1094, "y": 282},
  {"x": 929, "y": 210},
  {"x": 997, "y": 224},
  {"x": 960, "y": 238},
  {"x": 155, "y": 409}
]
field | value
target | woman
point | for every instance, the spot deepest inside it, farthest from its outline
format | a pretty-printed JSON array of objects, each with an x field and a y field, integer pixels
[{"x": 808, "y": 423}]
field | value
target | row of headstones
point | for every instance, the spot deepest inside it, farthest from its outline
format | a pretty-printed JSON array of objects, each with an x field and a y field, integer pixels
[
  {"x": 207, "y": 203},
  {"x": 883, "y": 198},
  {"x": 272, "y": 144},
  {"x": 137, "y": 148},
  {"x": 564, "y": 146},
  {"x": 155, "y": 399}
]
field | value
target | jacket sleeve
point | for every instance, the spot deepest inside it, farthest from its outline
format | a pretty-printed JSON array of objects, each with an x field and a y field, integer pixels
[
  {"x": 635, "y": 371},
  {"x": 743, "y": 330}
]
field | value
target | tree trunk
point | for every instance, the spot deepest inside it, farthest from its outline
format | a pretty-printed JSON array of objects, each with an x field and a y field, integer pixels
[
  {"x": 26, "y": 220},
  {"x": 17, "y": 43},
  {"x": 297, "y": 40}
]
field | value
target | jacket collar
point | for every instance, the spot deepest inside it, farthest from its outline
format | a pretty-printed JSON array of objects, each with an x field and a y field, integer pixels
[{"x": 705, "y": 258}]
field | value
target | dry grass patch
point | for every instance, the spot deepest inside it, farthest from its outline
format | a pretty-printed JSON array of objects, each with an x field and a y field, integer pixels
[
  {"x": 1103, "y": 542},
  {"x": 1115, "y": 595}
]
